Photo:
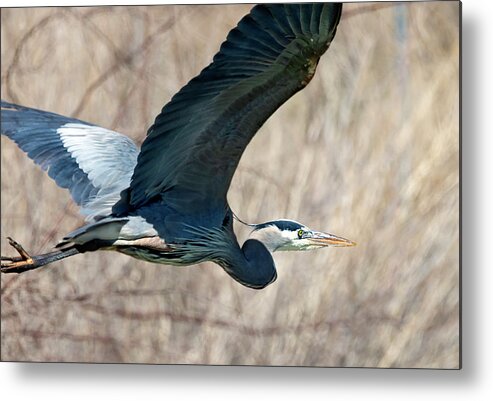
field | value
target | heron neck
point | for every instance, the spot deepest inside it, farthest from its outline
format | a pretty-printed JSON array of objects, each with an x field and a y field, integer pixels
[
  {"x": 252, "y": 265},
  {"x": 270, "y": 237}
]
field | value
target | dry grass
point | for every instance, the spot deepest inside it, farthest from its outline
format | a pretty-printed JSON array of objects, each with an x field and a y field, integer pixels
[{"x": 370, "y": 151}]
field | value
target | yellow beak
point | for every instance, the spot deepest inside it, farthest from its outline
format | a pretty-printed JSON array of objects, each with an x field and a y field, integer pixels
[{"x": 324, "y": 239}]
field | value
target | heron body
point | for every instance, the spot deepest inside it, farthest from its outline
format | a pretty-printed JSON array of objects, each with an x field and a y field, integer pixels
[{"x": 167, "y": 201}]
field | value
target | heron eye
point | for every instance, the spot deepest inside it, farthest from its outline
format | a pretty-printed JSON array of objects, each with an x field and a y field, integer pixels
[{"x": 300, "y": 233}]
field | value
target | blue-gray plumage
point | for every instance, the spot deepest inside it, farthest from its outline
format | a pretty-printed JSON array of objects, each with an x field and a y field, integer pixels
[
  {"x": 95, "y": 164},
  {"x": 167, "y": 202}
]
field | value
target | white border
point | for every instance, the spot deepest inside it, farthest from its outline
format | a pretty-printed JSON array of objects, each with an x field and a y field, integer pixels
[{"x": 474, "y": 382}]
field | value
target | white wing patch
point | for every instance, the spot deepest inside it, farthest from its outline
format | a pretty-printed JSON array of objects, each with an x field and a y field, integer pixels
[{"x": 107, "y": 157}]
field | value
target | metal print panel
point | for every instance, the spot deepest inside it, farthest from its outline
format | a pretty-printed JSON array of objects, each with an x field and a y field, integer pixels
[{"x": 231, "y": 184}]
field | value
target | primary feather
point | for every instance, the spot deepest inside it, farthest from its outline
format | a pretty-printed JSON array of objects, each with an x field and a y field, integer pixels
[{"x": 95, "y": 164}]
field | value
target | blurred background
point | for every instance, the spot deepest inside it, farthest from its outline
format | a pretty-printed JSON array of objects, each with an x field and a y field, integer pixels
[{"x": 369, "y": 151}]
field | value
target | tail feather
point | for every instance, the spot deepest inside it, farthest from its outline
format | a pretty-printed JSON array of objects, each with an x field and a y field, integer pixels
[{"x": 103, "y": 232}]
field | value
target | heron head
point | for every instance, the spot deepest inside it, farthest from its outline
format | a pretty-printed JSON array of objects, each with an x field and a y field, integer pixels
[{"x": 289, "y": 235}]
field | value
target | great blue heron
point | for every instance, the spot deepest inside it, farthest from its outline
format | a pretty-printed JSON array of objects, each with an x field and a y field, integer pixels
[{"x": 167, "y": 202}]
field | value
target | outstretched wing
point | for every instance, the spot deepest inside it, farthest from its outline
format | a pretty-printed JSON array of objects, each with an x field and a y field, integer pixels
[
  {"x": 195, "y": 144},
  {"x": 93, "y": 163}
]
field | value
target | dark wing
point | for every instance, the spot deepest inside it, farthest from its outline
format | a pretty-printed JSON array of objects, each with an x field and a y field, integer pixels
[
  {"x": 93, "y": 163},
  {"x": 195, "y": 144}
]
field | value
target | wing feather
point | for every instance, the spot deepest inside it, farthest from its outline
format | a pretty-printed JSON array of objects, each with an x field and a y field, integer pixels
[
  {"x": 93, "y": 163},
  {"x": 198, "y": 138}
]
